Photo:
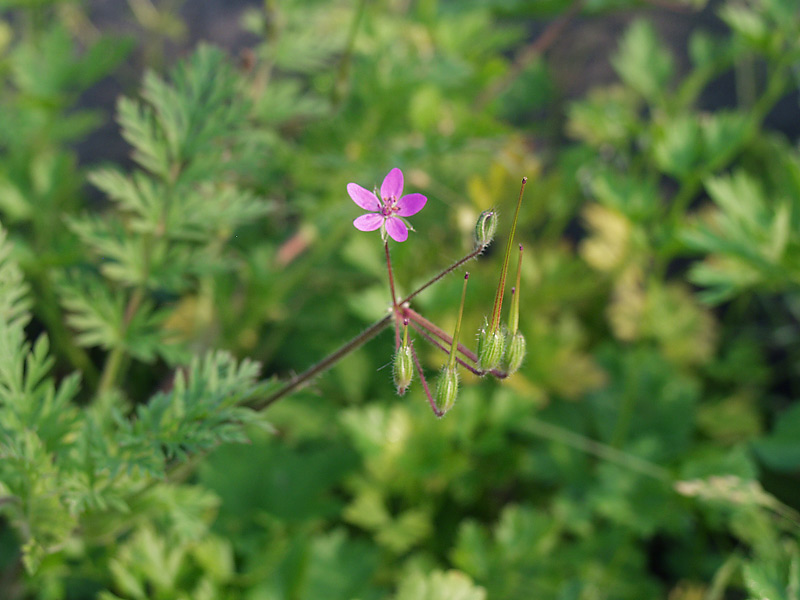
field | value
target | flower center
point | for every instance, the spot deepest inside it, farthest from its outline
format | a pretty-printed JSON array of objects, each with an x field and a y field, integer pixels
[{"x": 389, "y": 206}]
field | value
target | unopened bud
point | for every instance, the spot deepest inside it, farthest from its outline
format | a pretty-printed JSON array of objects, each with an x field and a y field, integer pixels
[
  {"x": 515, "y": 353},
  {"x": 485, "y": 228},
  {"x": 446, "y": 390},
  {"x": 491, "y": 345}
]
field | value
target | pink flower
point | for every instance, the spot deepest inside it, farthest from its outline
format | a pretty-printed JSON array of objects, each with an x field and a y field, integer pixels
[{"x": 386, "y": 212}]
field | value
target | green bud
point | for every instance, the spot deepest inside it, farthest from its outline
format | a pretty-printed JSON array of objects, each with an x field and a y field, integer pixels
[
  {"x": 403, "y": 368},
  {"x": 485, "y": 228},
  {"x": 515, "y": 353},
  {"x": 446, "y": 390},
  {"x": 491, "y": 346}
]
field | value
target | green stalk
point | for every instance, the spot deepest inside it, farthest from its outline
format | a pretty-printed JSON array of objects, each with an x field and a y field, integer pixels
[
  {"x": 513, "y": 323},
  {"x": 454, "y": 346}
]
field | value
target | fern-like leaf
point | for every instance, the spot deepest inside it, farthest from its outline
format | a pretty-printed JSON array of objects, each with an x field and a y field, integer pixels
[{"x": 200, "y": 411}]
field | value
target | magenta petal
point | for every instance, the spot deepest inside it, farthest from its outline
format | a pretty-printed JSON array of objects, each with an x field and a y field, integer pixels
[
  {"x": 392, "y": 184},
  {"x": 368, "y": 222},
  {"x": 396, "y": 229},
  {"x": 363, "y": 197},
  {"x": 410, "y": 204}
]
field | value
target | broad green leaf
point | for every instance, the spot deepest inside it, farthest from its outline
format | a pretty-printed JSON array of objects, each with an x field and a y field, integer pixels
[
  {"x": 677, "y": 146},
  {"x": 780, "y": 449},
  {"x": 643, "y": 63},
  {"x": 438, "y": 585}
]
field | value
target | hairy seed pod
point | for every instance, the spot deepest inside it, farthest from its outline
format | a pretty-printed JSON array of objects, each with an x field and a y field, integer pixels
[
  {"x": 403, "y": 368},
  {"x": 446, "y": 390},
  {"x": 515, "y": 353},
  {"x": 485, "y": 228},
  {"x": 491, "y": 346}
]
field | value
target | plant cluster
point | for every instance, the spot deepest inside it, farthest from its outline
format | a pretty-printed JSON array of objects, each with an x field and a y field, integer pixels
[{"x": 156, "y": 438}]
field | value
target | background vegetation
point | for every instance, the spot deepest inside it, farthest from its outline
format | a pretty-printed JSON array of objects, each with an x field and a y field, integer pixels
[{"x": 648, "y": 448}]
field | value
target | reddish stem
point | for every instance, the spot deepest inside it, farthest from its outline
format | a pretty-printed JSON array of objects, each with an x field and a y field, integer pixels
[
  {"x": 413, "y": 315},
  {"x": 479, "y": 372},
  {"x": 434, "y": 342},
  {"x": 424, "y": 382},
  {"x": 391, "y": 276},
  {"x": 476, "y": 252}
]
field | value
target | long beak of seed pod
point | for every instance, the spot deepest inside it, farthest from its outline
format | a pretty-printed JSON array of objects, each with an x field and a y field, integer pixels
[
  {"x": 491, "y": 341},
  {"x": 515, "y": 348}
]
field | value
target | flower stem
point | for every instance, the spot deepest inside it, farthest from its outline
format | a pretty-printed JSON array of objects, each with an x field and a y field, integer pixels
[
  {"x": 421, "y": 374},
  {"x": 474, "y": 254},
  {"x": 498, "y": 299},
  {"x": 391, "y": 275},
  {"x": 327, "y": 362}
]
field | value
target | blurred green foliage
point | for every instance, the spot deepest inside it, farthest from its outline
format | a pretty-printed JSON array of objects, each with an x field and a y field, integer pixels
[{"x": 648, "y": 447}]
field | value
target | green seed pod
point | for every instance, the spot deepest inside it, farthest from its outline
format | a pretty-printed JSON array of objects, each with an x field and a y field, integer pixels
[
  {"x": 491, "y": 346},
  {"x": 446, "y": 390},
  {"x": 485, "y": 228},
  {"x": 516, "y": 353},
  {"x": 403, "y": 368}
]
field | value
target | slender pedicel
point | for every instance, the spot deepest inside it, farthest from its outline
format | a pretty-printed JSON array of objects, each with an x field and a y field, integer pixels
[
  {"x": 474, "y": 254},
  {"x": 391, "y": 275},
  {"x": 327, "y": 362},
  {"x": 421, "y": 374}
]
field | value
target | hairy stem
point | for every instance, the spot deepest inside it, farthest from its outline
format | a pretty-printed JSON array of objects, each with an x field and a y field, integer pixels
[
  {"x": 474, "y": 254},
  {"x": 421, "y": 374},
  {"x": 391, "y": 275},
  {"x": 327, "y": 362}
]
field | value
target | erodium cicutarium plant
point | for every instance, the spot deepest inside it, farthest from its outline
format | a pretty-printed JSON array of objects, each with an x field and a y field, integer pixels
[{"x": 501, "y": 349}]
